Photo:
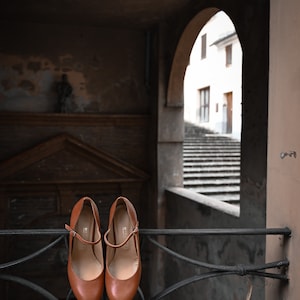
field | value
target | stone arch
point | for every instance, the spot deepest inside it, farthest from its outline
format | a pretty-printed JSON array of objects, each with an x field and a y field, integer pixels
[{"x": 182, "y": 54}]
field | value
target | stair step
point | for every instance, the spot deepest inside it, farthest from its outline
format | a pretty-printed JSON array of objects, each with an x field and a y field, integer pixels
[
  {"x": 211, "y": 169},
  {"x": 205, "y": 176},
  {"x": 211, "y": 151},
  {"x": 208, "y": 144},
  {"x": 207, "y": 159},
  {"x": 194, "y": 162},
  {"x": 206, "y": 138},
  {"x": 215, "y": 190},
  {"x": 211, "y": 182},
  {"x": 234, "y": 198},
  {"x": 212, "y": 154},
  {"x": 213, "y": 159},
  {"x": 210, "y": 138},
  {"x": 210, "y": 158},
  {"x": 212, "y": 163},
  {"x": 205, "y": 146},
  {"x": 211, "y": 147}
]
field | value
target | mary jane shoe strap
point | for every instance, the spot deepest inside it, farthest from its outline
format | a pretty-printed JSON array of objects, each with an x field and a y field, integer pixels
[
  {"x": 134, "y": 231},
  {"x": 80, "y": 238}
]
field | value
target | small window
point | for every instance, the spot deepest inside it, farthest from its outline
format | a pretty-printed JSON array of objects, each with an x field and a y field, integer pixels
[
  {"x": 228, "y": 51},
  {"x": 203, "y": 46},
  {"x": 204, "y": 105}
]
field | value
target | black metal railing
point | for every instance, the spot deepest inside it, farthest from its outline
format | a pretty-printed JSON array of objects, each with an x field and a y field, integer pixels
[{"x": 214, "y": 270}]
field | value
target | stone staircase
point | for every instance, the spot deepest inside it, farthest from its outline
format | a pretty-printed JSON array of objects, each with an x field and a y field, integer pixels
[{"x": 211, "y": 164}]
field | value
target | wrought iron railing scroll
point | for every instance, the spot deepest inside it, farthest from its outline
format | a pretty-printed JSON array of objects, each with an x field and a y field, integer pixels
[{"x": 61, "y": 235}]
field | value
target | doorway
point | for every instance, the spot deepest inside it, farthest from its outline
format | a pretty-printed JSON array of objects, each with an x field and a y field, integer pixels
[{"x": 227, "y": 113}]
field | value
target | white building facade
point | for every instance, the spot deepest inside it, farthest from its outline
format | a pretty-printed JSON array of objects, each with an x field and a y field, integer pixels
[{"x": 212, "y": 84}]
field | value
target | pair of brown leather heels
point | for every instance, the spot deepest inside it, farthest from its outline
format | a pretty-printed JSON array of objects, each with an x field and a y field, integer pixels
[{"x": 86, "y": 270}]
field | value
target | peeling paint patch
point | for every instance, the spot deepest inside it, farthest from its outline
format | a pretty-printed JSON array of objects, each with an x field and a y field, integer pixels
[
  {"x": 6, "y": 84},
  {"x": 66, "y": 60},
  {"x": 66, "y": 70},
  {"x": 27, "y": 85},
  {"x": 18, "y": 68},
  {"x": 82, "y": 86},
  {"x": 34, "y": 66}
]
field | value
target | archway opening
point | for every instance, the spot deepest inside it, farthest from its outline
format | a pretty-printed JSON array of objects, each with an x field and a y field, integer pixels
[{"x": 212, "y": 111}]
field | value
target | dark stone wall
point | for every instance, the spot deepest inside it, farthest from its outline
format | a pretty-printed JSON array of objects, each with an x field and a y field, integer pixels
[
  {"x": 108, "y": 112},
  {"x": 105, "y": 68}
]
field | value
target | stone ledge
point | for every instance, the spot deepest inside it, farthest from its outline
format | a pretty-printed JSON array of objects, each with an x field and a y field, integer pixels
[
  {"x": 79, "y": 119},
  {"x": 205, "y": 200}
]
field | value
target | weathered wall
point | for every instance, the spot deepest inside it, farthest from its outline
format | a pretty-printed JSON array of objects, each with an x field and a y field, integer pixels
[
  {"x": 219, "y": 250},
  {"x": 104, "y": 67},
  {"x": 108, "y": 112},
  {"x": 283, "y": 174}
]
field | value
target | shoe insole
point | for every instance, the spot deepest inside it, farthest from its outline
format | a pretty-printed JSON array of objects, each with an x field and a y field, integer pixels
[
  {"x": 125, "y": 261},
  {"x": 84, "y": 261}
]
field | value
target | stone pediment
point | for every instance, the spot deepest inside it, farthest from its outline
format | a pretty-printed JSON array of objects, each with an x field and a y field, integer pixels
[{"x": 65, "y": 159}]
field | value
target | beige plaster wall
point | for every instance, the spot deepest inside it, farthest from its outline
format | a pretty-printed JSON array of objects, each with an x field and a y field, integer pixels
[{"x": 283, "y": 183}]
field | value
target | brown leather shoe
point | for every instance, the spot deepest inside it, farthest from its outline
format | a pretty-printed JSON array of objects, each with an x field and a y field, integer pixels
[
  {"x": 123, "y": 261},
  {"x": 85, "y": 261}
]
